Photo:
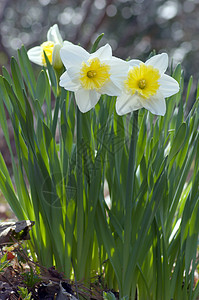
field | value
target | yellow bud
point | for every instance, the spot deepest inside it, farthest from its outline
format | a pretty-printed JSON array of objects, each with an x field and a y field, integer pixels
[{"x": 48, "y": 49}]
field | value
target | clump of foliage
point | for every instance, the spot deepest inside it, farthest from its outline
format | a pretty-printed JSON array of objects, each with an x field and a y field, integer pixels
[{"x": 145, "y": 239}]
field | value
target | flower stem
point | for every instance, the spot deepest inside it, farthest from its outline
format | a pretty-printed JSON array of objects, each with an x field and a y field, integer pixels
[
  {"x": 129, "y": 197},
  {"x": 80, "y": 208}
]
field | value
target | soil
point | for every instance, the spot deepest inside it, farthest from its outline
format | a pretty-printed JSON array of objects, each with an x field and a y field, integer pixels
[{"x": 42, "y": 283}]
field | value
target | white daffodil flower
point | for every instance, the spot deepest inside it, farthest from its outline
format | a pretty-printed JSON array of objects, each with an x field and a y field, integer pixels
[
  {"x": 51, "y": 47},
  {"x": 147, "y": 86},
  {"x": 90, "y": 75}
]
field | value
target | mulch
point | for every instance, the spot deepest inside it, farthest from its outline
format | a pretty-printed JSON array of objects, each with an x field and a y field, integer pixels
[
  {"x": 42, "y": 283},
  {"x": 18, "y": 270}
]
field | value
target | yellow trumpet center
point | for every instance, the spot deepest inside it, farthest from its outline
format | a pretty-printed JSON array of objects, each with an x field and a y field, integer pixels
[
  {"x": 142, "y": 84},
  {"x": 91, "y": 74},
  {"x": 143, "y": 80},
  {"x": 94, "y": 74},
  {"x": 48, "y": 49}
]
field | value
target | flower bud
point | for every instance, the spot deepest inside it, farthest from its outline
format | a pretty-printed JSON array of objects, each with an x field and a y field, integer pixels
[{"x": 56, "y": 59}]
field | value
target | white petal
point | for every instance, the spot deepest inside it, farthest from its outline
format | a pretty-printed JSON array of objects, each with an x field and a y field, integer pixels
[
  {"x": 110, "y": 89},
  {"x": 35, "y": 55},
  {"x": 119, "y": 71},
  {"x": 118, "y": 60},
  {"x": 168, "y": 85},
  {"x": 67, "y": 83},
  {"x": 54, "y": 35},
  {"x": 155, "y": 104},
  {"x": 159, "y": 62},
  {"x": 86, "y": 99},
  {"x": 66, "y": 43},
  {"x": 74, "y": 74},
  {"x": 103, "y": 53},
  {"x": 73, "y": 55},
  {"x": 134, "y": 62},
  {"x": 127, "y": 103}
]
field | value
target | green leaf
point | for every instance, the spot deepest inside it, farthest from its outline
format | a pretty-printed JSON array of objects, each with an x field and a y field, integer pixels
[
  {"x": 9, "y": 194},
  {"x": 142, "y": 138},
  {"x": 27, "y": 71},
  {"x": 55, "y": 117},
  {"x": 177, "y": 72},
  {"x": 189, "y": 88},
  {"x": 147, "y": 220},
  {"x": 4, "y": 95},
  {"x": 96, "y": 43},
  {"x": 38, "y": 110},
  {"x": 18, "y": 81},
  {"x": 52, "y": 75},
  {"x": 7, "y": 75},
  {"x": 177, "y": 142},
  {"x": 108, "y": 296},
  {"x": 104, "y": 232},
  {"x": 41, "y": 87},
  {"x": 66, "y": 130},
  {"x": 3, "y": 122}
]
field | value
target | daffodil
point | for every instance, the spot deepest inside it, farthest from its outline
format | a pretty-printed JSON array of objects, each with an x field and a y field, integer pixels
[
  {"x": 147, "y": 86},
  {"x": 90, "y": 75},
  {"x": 51, "y": 48}
]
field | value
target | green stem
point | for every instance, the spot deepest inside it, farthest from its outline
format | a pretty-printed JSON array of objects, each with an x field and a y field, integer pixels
[
  {"x": 129, "y": 196},
  {"x": 80, "y": 208}
]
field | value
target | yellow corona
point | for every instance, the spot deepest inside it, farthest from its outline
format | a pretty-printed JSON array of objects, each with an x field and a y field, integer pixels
[
  {"x": 143, "y": 80},
  {"x": 93, "y": 75}
]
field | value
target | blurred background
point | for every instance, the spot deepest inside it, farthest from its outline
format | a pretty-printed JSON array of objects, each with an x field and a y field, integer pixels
[{"x": 133, "y": 28}]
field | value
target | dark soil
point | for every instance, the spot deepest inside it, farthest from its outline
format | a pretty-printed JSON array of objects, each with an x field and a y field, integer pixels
[{"x": 41, "y": 282}]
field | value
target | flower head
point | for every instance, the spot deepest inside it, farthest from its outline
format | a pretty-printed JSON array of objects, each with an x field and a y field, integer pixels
[
  {"x": 147, "y": 86},
  {"x": 90, "y": 75},
  {"x": 51, "y": 48}
]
